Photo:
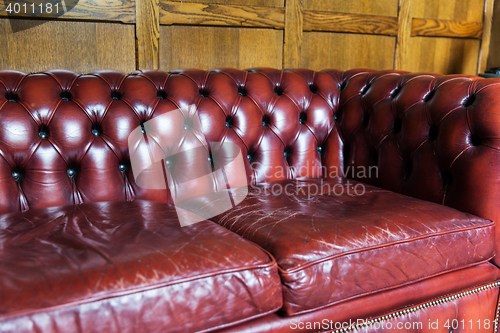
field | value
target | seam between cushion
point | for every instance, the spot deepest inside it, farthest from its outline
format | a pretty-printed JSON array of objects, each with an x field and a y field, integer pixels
[
  {"x": 401, "y": 241},
  {"x": 132, "y": 291},
  {"x": 391, "y": 287},
  {"x": 420, "y": 306}
]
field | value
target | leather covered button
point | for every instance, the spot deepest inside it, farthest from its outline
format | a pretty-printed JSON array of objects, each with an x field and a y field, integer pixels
[
  {"x": 429, "y": 96},
  {"x": 43, "y": 131},
  {"x": 12, "y": 97},
  {"x": 475, "y": 140},
  {"x": 278, "y": 91},
  {"x": 116, "y": 95},
  {"x": 161, "y": 94},
  {"x": 71, "y": 171},
  {"x": 123, "y": 167},
  {"x": 17, "y": 174},
  {"x": 398, "y": 124},
  {"x": 203, "y": 92},
  {"x": 242, "y": 91},
  {"x": 365, "y": 89},
  {"x": 313, "y": 88},
  {"x": 433, "y": 133},
  {"x": 229, "y": 121},
  {"x": 468, "y": 101},
  {"x": 97, "y": 129},
  {"x": 66, "y": 96},
  {"x": 266, "y": 120},
  {"x": 302, "y": 118},
  {"x": 287, "y": 154}
]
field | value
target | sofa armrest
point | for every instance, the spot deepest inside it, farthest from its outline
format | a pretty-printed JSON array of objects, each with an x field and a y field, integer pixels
[{"x": 432, "y": 137}]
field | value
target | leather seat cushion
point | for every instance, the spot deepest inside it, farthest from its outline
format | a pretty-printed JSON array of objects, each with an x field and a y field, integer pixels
[
  {"x": 128, "y": 266},
  {"x": 341, "y": 245}
]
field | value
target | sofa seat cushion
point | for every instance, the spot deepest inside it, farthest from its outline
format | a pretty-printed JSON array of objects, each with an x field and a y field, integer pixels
[
  {"x": 128, "y": 267},
  {"x": 338, "y": 239}
]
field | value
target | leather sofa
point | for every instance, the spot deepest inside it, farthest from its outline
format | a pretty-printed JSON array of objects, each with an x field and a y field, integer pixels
[{"x": 399, "y": 233}]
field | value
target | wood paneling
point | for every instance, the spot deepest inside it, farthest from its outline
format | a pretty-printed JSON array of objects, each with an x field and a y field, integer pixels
[
  {"x": 345, "y": 51},
  {"x": 444, "y": 55},
  {"x": 354, "y": 23},
  {"x": 213, "y": 47},
  {"x": 221, "y": 15},
  {"x": 369, "y": 7},
  {"x": 459, "y": 10},
  {"x": 95, "y": 10},
  {"x": 404, "y": 34},
  {"x": 485, "y": 41},
  {"x": 77, "y": 46},
  {"x": 494, "y": 53},
  {"x": 251, "y": 3},
  {"x": 293, "y": 33},
  {"x": 147, "y": 32},
  {"x": 446, "y": 28}
]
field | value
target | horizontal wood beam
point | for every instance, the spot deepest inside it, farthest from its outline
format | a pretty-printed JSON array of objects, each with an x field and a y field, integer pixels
[
  {"x": 90, "y": 10},
  {"x": 351, "y": 23},
  {"x": 445, "y": 28},
  {"x": 221, "y": 15}
]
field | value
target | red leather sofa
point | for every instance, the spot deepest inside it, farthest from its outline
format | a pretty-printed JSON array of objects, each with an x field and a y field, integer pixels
[{"x": 406, "y": 247}]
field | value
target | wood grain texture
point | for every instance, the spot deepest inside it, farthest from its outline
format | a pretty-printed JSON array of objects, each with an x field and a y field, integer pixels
[
  {"x": 446, "y": 28},
  {"x": 270, "y": 3},
  {"x": 221, "y": 15},
  {"x": 78, "y": 46},
  {"x": 455, "y": 10},
  {"x": 95, "y": 10},
  {"x": 292, "y": 45},
  {"x": 485, "y": 41},
  {"x": 147, "y": 31},
  {"x": 368, "y": 7},
  {"x": 215, "y": 47},
  {"x": 494, "y": 53},
  {"x": 404, "y": 34},
  {"x": 322, "y": 50},
  {"x": 444, "y": 55},
  {"x": 346, "y": 22}
]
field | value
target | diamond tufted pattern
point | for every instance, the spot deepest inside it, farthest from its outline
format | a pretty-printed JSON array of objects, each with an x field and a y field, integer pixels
[{"x": 432, "y": 137}]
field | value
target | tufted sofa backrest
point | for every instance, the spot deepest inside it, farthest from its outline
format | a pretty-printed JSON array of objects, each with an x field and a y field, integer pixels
[{"x": 63, "y": 136}]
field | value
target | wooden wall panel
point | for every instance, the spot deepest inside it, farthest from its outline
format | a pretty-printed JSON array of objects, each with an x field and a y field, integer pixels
[
  {"x": 370, "y": 7},
  {"x": 443, "y": 55},
  {"x": 345, "y": 51},
  {"x": 213, "y": 47},
  {"x": 76, "y": 46},
  {"x": 270, "y": 3},
  {"x": 494, "y": 49}
]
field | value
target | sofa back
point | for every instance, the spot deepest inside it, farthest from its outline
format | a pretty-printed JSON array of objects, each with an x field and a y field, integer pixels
[{"x": 63, "y": 136}]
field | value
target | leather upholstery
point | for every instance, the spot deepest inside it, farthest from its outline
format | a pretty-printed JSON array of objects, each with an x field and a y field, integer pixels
[
  {"x": 127, "y": 267},
  {"x": 332, "y": 247},
  {"x": 375, "y": 305}
]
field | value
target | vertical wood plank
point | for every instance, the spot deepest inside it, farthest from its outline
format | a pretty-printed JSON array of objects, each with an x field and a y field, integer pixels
[
  {"x": 485, "y": 42},
  {"x": 147, "y": 33},
  {"x": 404, "y": 35},
  {"x": 293, "y": 33}
]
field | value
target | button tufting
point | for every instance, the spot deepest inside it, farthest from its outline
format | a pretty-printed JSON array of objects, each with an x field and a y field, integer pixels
[
  {"x": 342, "y": 85},
  {"x": 395, "y": 92},
  {"x": 302, "y": 118},
  {"x": 116, "y": 95},
  {"x": 278, "y": 91},
  {"x": 287, "y": 154},
  {"x": 429, "y": 96},
  {"x": 96, "y": 129},
  {"x": 266, "y": 120},
  {"x": 229, "y": 121},
  {"x": 445, "y": 176},
  {"x": 320, "y": 149},
  {"x": 433, "y": 133},
  {"x": 123, "y": 167},
  {"x": 161, "y": 94},
  {"x": 43, "y": 131},
  {"x": 12, "y": 97},
  {"x": 71, "y": 172},
  {"x": 242, "y": 91},
  {"x": 365, "y": 89},
  {"x": 398, "y": 124},
  {"x": 407, "y": 168},
  {"x": 66, "y": 96},
  {"x": 313, "y": 88},
  {"x": 366, "y": 118},
  {"x": 17, "y": 174},
  {"x": 203, "y": 92},
  {"x": 475, "y": 140},
  {"x": 468, "y": 101},
  {"x": 188, "y": 124}
]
